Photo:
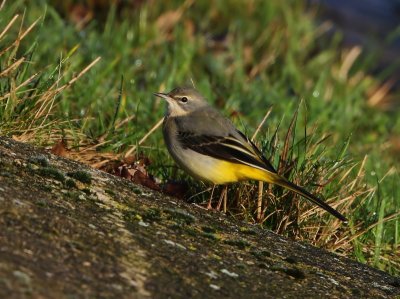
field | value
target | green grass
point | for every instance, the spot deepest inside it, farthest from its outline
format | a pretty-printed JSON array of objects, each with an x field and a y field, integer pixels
[{"x": 246, "y": 58}]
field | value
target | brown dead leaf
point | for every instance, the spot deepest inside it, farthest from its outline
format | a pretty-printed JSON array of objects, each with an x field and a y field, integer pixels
[
  {"x": 126, "y": 173},
  {"x": 60, "y": 148},
  {"x": 129, "y": 160},
  {"x": 145, "y": 180},
  {"x": 176, "y": 189},
  {"x": 133, "y": 168}
]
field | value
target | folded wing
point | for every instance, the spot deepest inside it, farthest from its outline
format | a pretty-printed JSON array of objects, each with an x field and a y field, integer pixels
[{"x": 228, "y": 148}]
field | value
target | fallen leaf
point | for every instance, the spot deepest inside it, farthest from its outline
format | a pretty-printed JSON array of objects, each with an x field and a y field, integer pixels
[
  {"x": 145, "y": 180},
  {"x": 60, "y": 148},
  {"x": 176, "y": 189}
]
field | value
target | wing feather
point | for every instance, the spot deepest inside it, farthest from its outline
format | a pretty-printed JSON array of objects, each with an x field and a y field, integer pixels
[{"x": 227, "y": 148}]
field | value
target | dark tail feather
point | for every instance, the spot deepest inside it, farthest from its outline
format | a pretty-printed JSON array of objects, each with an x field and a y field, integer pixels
[{"x": 284, "y": 183}]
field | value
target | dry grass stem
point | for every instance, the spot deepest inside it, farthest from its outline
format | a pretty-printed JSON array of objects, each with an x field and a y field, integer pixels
[
  {"x": 75, "y": 78},
  {"x": 8, "y": 26},
  {"x": 155, "y": 127},
  {"x": 348, "y": 61},
  {"x": 261, "y": 124}
]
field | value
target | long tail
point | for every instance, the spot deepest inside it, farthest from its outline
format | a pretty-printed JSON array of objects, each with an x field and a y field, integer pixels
[{"x": 278, "y": 180}]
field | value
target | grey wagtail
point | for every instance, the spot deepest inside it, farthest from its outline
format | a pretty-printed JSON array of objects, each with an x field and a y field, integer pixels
[{"x": 209, "y": 147}]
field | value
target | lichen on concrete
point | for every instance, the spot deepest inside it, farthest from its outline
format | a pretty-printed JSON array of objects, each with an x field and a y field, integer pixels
[{"x": 70, "y": 231}]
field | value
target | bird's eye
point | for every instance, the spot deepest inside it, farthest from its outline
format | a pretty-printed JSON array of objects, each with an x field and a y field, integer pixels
[{"x": 184, "y": 99}]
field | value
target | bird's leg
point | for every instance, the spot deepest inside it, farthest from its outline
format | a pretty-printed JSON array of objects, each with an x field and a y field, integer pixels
[
  {"x": 209, "y": 206},
  {"x": 259, "y": 201},
  {"x": 223, "y": 198}
]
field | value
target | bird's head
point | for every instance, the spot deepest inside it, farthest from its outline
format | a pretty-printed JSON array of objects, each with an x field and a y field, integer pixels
[{"x": 182, "y": 100}]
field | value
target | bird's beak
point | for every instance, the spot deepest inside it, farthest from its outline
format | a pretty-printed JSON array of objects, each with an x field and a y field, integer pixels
[
  {"x": 165, "y": 96},
  {"x": 162, "y": 95}
]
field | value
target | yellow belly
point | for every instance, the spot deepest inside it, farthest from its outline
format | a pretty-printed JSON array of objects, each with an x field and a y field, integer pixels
[
  {"x": 216, "y": 171},
  {"x": 227, "y": 172},
  {"x": 222, "y": 172}
]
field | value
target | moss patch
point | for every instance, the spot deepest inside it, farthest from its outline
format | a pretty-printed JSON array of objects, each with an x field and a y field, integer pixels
[
  {"x": 82, "y": 176},
  {"x": 51, "y": 172}
]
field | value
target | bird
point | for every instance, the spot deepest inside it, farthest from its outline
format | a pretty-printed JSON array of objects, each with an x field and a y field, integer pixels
[{"x": 210, "y": 148}]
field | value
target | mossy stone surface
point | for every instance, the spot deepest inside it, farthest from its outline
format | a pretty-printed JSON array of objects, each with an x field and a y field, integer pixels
[{"x": 113, "y": 239}]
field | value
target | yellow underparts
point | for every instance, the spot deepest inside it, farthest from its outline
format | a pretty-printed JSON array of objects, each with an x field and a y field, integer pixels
[{"x": 227, "y": 172}]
